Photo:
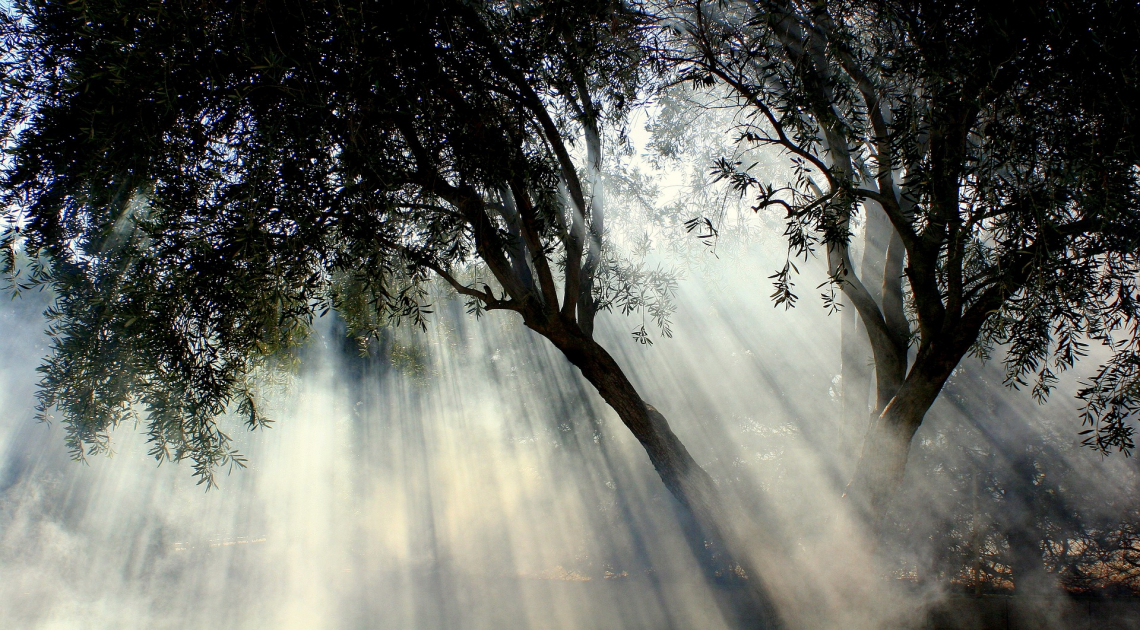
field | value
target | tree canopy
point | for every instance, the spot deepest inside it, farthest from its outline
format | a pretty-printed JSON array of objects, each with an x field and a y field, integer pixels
[
  {"x": 201, "y": 180},
  {"x": 997, "y": 149}
]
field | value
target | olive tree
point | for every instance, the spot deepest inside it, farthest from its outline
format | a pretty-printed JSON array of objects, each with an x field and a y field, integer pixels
[
  {"x": 199, "y": 181},
  {"x": 994, "y": 156}
]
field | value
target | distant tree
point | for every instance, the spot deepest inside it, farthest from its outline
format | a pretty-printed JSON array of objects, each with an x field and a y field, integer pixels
[
  {"x": 201, "y": 180},
  {"x": 994, "y": 155}
]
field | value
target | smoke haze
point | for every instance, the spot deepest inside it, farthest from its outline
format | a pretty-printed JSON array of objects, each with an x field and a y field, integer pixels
[{"x": 466, "y": 477}]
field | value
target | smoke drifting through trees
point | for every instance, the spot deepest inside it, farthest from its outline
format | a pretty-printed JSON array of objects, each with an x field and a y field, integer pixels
[
  {"x": 995, "y": 157},
  {"x": 451, "y": 497},
  {"x": 182, "y": 281}
]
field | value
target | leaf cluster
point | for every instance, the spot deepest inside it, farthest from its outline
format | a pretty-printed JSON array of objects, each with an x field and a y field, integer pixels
[
  {"x": 202, "y": 180},
  {"x": 1003, "y": 147}
]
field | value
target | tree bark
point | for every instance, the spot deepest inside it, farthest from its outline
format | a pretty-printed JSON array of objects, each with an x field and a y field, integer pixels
[
  {"x": 876, "y": 295},
  {"x": 692, "y": 487},
  {"x": 857, "y": 355},
  {"x": 890, "y": 373},
  {"x": 886, "y": 448},
  {"x": 854, "y": 369}
]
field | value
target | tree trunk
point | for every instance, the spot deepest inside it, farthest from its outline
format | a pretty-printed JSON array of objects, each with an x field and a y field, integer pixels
[
  {"x": 692, "y": 487},
  {"x": 856, "y": 354},
  {"x": 1023, "y": 532},
  {"x": 855, "y": 370},
  {"x": 876, "y": 295},
  {"x": 881, "y": 465}
]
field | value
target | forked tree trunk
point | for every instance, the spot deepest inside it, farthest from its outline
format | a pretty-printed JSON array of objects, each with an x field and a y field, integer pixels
[
  {"x": 879, "y": 472},
  {"x": 856, "y": 356}
]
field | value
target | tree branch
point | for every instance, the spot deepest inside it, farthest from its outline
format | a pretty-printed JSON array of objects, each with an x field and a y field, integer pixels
[
  {"x": 472, "y": 207},
  {"x": 490, "y": 302},
  {"x": 534, "y": 244}
]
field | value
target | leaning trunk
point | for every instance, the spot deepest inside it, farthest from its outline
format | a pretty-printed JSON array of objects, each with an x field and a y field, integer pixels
[{"x": 694, "y": 489}]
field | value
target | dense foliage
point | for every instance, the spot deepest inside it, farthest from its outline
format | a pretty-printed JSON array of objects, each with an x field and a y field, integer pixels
[
  {"x": 198, "y": 181},
  {"x": 1000, "y": 150}
]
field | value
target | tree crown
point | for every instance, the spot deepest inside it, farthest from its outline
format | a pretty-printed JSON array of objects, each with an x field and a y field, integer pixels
[{"x": 202, "y": 180}]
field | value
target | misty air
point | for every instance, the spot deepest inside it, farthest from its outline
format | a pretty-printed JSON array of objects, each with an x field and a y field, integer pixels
[{"x": 621, "y": 314}]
